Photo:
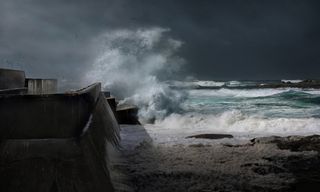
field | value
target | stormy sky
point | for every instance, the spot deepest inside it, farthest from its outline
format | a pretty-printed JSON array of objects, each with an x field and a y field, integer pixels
[{"x": 222, "y": 39}]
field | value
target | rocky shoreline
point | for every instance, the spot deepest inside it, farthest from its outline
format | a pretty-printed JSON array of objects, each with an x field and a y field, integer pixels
[
  {"x": 305, "y": 84},
  {"x": 262, "y": 164}
]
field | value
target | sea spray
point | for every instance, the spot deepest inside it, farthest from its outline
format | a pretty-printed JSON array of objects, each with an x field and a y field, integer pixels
[
  {"x": 137, "y": 66},
  {"x": 131, "y": 63}
]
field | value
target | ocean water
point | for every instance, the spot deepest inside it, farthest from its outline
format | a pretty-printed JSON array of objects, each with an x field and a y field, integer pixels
[
  {"x": 132, "y": 64},
  {"x": 231, "y": 107}
]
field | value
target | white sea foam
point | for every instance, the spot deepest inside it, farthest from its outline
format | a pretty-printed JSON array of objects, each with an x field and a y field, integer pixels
[
  {"x": 312, "y": 91},
  {"x": 176, "y": 127},
  {"x": 196, "y": 84},
  {"x": 129, "y": 65},
  {"x": 209, "y": 83},
  {"x": 291, "y": 81},
  {"x": 239, "y": 92},
  {"x": 233, "y": 83}
]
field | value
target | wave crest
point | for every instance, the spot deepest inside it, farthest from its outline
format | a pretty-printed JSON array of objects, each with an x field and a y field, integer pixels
[
  {"x": 238, "y": 123},
  {"x": 130, "y": 64}
]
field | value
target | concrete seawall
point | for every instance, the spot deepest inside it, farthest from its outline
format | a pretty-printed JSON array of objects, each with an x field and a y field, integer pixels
[
  {"x": 56, "y": 142},
  {"x": 42, "y": 86}
]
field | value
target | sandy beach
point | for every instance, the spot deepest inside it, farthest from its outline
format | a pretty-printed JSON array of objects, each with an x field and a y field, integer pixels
[{"x": 263, "y": 164}]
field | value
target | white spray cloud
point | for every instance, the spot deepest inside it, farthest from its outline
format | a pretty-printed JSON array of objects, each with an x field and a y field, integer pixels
[{"x": 129, "y": 64}]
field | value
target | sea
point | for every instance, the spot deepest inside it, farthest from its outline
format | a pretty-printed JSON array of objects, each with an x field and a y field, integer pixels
[{"x": 238, "y": 108}]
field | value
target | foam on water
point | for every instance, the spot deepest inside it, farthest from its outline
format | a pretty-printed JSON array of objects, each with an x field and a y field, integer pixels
[
  {"x": 132, "y": 63},
  {"x": 176, "y": 127},
  {"x": 291, "y": 81},
  {"x": 242, "y": 113},
  {"x": 129, "y": 65},
  {"x": 238, "y": 92},
  {"x": 209, "y": 83}
]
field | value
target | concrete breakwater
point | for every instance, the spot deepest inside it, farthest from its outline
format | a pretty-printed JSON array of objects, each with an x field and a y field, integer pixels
[{"x": 54, "y": 141}]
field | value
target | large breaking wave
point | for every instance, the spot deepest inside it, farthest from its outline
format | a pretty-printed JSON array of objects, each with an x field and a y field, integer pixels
[
  {"x": 130, "y": 65},
  {"x": 242, "y": 113},
  {"x": 137, "y": 66}
]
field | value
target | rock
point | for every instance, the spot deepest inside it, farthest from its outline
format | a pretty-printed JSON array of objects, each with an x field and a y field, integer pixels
[
  {"x": 210, "y": 136},
  {"x": 293, "y": 143}
]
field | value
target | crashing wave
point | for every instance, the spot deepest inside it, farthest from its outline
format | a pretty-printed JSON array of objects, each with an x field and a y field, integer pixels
[
  {"x": 130, "y": 64},
  {"x": 237, "y": 123},
  {"x": 196, "y": 84}
]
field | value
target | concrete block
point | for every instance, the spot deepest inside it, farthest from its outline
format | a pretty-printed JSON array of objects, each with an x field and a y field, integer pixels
[
  {"x": 10, "y": 79},
  {"x": 42, "y": 86},
  {"x": 127, "y": 114}
]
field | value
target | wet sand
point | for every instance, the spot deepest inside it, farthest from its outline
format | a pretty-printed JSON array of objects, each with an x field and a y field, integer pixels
[{"x": 265, "y": 164}]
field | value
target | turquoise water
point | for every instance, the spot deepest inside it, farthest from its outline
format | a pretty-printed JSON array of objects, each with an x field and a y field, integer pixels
[
  {"x": 244, "y": 112},
  {"x": 266, "y": 103}
]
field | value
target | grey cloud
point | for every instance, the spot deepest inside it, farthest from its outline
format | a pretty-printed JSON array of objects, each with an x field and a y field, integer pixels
[{"x": 223, "y": 39}]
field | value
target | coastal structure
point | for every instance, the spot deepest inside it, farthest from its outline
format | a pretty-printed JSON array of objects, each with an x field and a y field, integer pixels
[
  {"x": 12, "y": 82},
  {"x": 54, "y": 141},
  {"x": 11, "y": 79},
  {"x": 42, "y": 86}
]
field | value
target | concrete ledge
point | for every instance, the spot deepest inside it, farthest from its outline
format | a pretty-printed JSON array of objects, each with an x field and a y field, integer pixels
[
  {"x": 127, "y": 114},
  {"x": 14, "y": 91}
]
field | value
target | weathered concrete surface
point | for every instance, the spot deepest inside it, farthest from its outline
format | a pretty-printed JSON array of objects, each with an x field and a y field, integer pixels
[
  {"x": 127, "y": 114},
  {"x": 42, "y": 86},
  {"x": 10, "y": 79},
  {"x": 44, "y": 161},
  {"x": 113, "y": 104},
  {"x": 46, "y": 116}
]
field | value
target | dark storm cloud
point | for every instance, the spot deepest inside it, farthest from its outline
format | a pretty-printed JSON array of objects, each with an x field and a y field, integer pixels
[
  {"x": 223, "y": 39},
  {"x": 245, "y": 39},
  {"x": 51, "y": 38}
]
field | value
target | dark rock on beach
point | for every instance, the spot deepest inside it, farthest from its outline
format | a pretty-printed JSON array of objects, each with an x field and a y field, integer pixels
[
  {"x": 210, "y": 136},
  {"x": 293, "y": 143},
  {"x": 302, "y": 84},
  {"x": 305, "y": 168}
]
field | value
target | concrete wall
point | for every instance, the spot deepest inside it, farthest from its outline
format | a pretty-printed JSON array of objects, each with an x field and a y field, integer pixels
[
  {"x": 42, "y": 86},
  {"x": 46, "y": 116},
  {"x": 56, "y": 143},
  {"x": 10, "y": 79}
]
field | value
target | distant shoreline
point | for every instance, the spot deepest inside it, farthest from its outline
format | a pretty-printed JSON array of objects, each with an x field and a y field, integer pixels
[{"x": 305, "y": 84}]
